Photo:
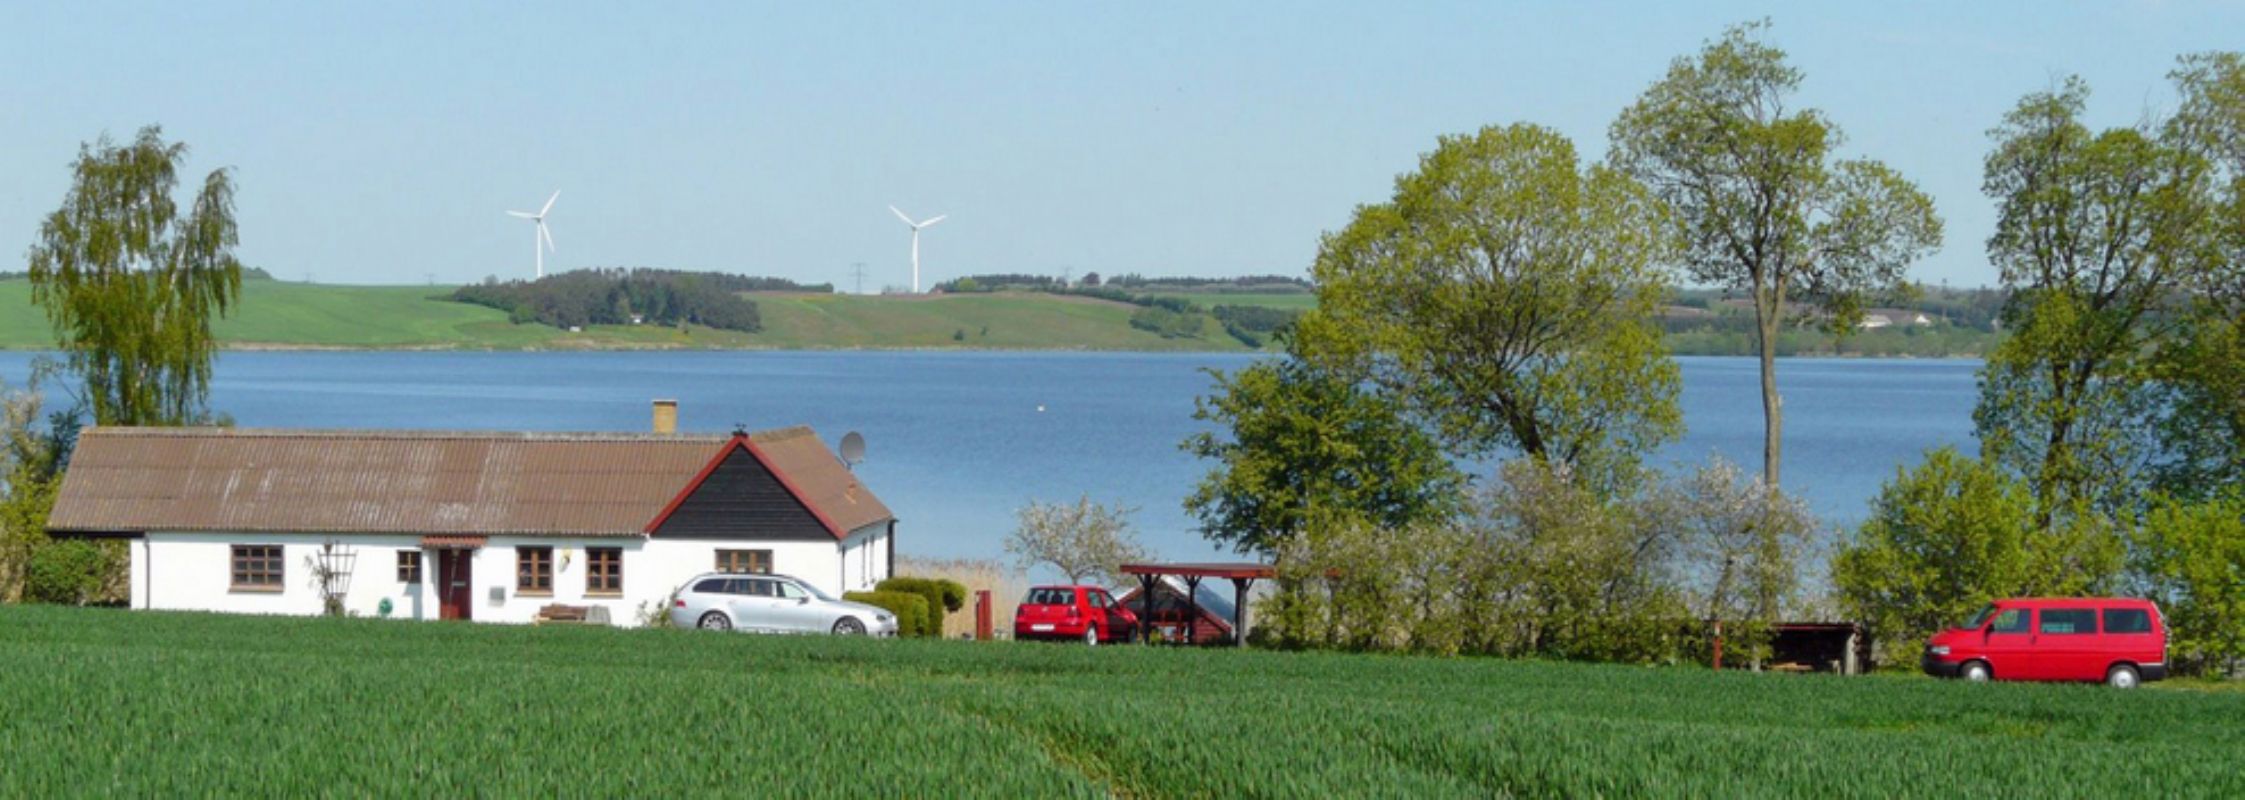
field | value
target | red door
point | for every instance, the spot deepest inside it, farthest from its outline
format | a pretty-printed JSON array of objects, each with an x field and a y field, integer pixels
[
  {"x": 455, "y": 580},
  {"x": 2009, "y": 645}
]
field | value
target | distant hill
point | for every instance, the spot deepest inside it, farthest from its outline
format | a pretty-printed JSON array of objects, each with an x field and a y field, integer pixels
[{"x": 281, "y": 315}]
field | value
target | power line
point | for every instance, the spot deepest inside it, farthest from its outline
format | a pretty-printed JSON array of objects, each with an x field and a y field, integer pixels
[{"x": 858, "y": 269}]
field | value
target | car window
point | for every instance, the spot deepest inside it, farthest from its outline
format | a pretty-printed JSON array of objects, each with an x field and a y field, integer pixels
[
  {"x": 2127, "y": 620},
  {"x": 1098, "y": 599},
  {"x": 711, "y": 586},
  {"x": 2069, "y": 620},
  {"x": 1050, "y": 596},
  {"x": 2012, "y": 620},
  {"x": 757, "y": 587},
  {"x": 790, "y": 591},
  {"x": 1979, "y": 618}
]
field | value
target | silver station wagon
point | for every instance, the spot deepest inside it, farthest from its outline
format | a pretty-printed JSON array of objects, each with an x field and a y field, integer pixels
[{"x": 773, "y": 604}]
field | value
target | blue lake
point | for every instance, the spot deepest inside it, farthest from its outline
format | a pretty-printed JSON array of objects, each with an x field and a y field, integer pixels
[{"x": 958, "y": 440}]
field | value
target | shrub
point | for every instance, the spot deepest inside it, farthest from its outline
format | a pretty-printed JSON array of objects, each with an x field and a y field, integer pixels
[
  {"x": 928, "y": 590},
  {"x": 67, "y": 571},
  {"x": 911, "y": 610}
]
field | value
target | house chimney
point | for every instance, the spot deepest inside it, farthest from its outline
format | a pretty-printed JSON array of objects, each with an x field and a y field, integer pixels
[{"x": 666, "y": 417}]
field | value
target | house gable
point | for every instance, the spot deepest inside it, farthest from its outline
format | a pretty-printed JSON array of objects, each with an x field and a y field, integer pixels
[{"x": 738, "y": 495}]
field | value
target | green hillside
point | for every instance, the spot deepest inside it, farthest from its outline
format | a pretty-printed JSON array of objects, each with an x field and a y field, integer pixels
[{"x": 282, "y": 314}]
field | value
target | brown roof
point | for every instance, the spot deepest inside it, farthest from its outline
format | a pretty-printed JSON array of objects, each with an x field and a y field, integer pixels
[{"x": 418, "y": 482}]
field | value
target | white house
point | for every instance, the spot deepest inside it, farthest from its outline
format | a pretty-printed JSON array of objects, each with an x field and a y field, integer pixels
[{"x": 452, "y": 525}]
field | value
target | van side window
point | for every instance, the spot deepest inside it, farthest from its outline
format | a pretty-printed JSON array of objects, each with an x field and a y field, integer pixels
[
  {"x": 2012, "y": 620},
  {"x": 2069, "y": 620},
  {"x": 2127, "y": 620}
]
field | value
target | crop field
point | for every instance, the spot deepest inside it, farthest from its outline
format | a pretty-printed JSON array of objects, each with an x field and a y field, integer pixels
[{"x": 152, "y": 704}]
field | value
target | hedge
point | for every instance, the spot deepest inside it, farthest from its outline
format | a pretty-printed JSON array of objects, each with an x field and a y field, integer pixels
[
  {"x": 943, "y": 595},
  {"x": 911, "y": 610}
]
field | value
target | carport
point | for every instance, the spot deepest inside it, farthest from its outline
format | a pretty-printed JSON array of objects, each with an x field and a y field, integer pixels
[{"x": 1242, "y": 575}]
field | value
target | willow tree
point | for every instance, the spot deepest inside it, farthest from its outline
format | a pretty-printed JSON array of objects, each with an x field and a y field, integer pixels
[
  {"x": 131, "y": 286},
  {"x": 1761, "y": 203},
  {"x": 1507, "y": 295}
]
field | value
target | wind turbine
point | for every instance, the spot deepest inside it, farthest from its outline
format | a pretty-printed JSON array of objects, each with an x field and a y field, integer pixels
[
  {"x": 542, "y": 240},
  {"x": 916, "y": 226}
]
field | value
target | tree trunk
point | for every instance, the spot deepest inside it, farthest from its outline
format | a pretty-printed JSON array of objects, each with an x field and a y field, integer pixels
[{"x": 1773, "y": 407}]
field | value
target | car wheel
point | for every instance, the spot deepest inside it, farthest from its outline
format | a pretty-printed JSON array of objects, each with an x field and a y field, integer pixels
[
  {"x": 849, "y": 626},
  {"x": 1091, "y": 636},
  {"x": 2122, "y": 676},
  {"x": 1976, "y": 672},
  {"x": 714, "y": 621}
]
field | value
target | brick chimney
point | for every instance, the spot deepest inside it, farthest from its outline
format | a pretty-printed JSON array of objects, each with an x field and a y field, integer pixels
[{"x": 666, "y": 417}]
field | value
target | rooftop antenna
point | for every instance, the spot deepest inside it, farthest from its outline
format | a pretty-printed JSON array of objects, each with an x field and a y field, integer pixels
[
  {"x": 853, "y": 450},
  {"x": 916, "y": 226},
  {"x": 541, "y": 240}
]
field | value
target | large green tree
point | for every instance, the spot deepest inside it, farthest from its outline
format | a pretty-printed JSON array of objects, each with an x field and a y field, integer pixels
[
  {"x": 1762, "y": 204},
  {"x": 131, "y": 284},
  {"x": 2098, "y": 235},
  {"x": 1295, "y": 440},
  {"x": 1507, "y": 294},
  {"x": 2201, "y": 368}
]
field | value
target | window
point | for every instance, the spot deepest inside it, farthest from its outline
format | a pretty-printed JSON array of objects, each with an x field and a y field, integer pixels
[
  {"x": 1098, "y": 599},
  {"x": 409, "y": 566},
  {"x": 791, "y": 591},
  {"x": 1051, "y": 596},
  {"x": 2127, "y": 620},
  {"x": 533, "y": 573},
  {"x": 257, "y": 567},
  {"x": 2012, "y": 620},
  {"x": 712, "y": 586},
  {"x": 745, "y": 562},
  {"x": 2069, "y": 620},
  {"x": 604, "y": 570},
  {"x": 753, "y": 587}
]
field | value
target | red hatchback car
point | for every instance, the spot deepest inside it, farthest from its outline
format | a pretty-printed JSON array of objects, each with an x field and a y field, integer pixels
[
  {"x": 2118, "y": 641},
  {"x": 1085, "y": 613}
]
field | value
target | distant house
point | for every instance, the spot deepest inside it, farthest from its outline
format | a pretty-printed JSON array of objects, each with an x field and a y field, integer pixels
[
  {"x": 1210, "y": 616},
  {"x": 1888, "y": 317},
  {"x": 482, "y": 526}
]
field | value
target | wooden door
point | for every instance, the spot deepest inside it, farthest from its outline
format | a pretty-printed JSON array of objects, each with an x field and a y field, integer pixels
[{"x": 455, "y": 584}]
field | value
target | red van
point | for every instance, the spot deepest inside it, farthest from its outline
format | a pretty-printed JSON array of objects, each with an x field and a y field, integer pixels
[{"x": 2119, "y": 641}]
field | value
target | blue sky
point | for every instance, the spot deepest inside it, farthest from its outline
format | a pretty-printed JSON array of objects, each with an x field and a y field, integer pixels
[{"x": 381, "y": 143}]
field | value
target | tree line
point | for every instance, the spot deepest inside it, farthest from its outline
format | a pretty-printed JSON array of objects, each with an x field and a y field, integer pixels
[
  {"x": 1504, "y": 307},
  {"x": 636, "y": 296}
]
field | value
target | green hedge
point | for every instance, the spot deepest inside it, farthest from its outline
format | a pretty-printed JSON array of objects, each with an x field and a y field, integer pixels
[
  {"x": 911, "y": 610},
  {"x": 942, "y": 596}
]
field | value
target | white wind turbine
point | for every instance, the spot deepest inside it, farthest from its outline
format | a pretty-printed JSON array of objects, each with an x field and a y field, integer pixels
[
  {"x": 916, "y": 226},
  {"x": 542, "y": 240}
]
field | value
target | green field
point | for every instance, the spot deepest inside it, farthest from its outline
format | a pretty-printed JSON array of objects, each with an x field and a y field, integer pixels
[
  {"x": 122, "y": 703},
  {"x": 284, "y": 314}
]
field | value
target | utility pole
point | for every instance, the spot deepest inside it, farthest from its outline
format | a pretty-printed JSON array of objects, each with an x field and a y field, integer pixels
[{"x": 858, "y": 269}]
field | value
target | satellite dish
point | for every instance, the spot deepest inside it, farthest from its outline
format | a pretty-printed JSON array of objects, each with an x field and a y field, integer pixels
[{"x": 853, "y": 448}]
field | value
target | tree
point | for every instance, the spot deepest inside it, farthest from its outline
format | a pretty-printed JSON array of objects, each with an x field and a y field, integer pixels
[
  {"x": 2096, "y": 233},
  {"x": 1507, "y": 295},
  {"x": 1948, "y": 536},
  {"x": 1760, "y": 202},
  {"x": 2201, "y": 368},
  {"x": 32, "y": 461},
  {"x": 1297, "y": 439},
  {"x": 1741, "y": 544},
  {"x": 1083, "y": 541},
  {"x": 130, "y": 286},
  {"x": 2190, "y": 557}
]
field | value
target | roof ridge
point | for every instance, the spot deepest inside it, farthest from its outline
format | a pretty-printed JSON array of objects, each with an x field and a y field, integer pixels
[{"x": 412, "y": 433}]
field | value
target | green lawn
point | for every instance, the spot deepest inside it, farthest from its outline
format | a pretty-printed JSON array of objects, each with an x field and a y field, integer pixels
[
  {"x": 999, "y": 320},
  {"x": 126, "y": 703}
]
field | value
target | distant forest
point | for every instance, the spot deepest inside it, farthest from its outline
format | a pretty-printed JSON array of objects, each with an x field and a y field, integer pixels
[{"x": 618, "y": 296}]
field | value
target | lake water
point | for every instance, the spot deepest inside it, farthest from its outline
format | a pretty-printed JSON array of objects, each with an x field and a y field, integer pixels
[{"x": 958, "y": 440}]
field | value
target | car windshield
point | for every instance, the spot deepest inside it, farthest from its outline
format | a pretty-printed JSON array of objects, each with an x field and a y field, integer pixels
[
  {"x": 1978, "y": 619},
  {"x": 813, "y": 590}
]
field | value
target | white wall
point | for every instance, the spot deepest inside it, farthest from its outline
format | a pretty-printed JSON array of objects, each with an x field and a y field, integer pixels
[{"x": 193, "y": 571}]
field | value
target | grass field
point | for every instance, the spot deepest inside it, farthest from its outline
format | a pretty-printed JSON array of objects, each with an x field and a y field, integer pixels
[
  {"x": 286, "y": 314},
  {"x": 153, "y": 704}
]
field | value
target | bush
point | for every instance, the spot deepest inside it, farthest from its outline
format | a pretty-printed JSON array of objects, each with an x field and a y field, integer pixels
[
  {"x": 911, "y": 610},
  {"x": 931, "y": 591},
  {"x": 69, "y": 571}
]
